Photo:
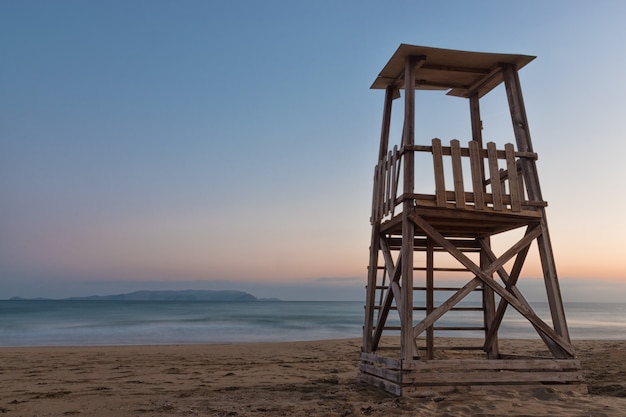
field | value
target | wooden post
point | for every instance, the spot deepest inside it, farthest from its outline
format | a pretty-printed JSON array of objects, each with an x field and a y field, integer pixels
[
  {"x": 478, "y": 181},
  {"x": 489, "y": 307},
  {"x": 408, "y": 228},
  {"x": 430, "y": 295},
  {"x": 372, "y": 271},
  {"x": 531, "y": 177},
  {"x": 477, "y": 123}
]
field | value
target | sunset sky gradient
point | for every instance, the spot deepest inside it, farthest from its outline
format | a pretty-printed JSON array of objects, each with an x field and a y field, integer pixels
[{"x": 220, "y": 144}]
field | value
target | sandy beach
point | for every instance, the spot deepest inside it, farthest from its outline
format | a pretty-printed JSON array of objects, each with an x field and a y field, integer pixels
[{"x": 315, "y": 378}]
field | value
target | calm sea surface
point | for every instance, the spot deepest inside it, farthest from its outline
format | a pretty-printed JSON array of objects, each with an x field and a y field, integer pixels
[{"x": 80, "y": 323}]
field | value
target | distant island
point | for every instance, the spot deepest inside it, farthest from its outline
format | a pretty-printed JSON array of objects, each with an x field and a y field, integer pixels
[{"x": 184, "y": 295}]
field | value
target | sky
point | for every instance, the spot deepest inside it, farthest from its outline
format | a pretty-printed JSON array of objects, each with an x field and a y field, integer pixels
[{"x": 231, "y": 144}]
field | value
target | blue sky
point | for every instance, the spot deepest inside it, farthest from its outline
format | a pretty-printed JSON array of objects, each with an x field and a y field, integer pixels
[{"x": 160, "y": 143}]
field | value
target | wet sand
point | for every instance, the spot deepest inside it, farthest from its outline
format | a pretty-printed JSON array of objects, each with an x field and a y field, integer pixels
[{"x": 317, "y": 378}]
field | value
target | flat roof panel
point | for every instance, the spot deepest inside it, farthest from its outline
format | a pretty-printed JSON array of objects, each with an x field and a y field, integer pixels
[{"x": 460, "y": 72}]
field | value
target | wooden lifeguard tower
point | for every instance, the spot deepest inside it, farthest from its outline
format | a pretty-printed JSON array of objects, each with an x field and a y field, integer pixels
[{"x": 479, "y": 192}]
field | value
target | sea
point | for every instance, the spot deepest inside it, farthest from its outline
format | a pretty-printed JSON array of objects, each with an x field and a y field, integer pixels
[{"x": 101, "y": 323}]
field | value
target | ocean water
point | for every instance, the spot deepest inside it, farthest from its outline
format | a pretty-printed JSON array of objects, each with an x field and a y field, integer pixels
[{"x": 83, "y": 323}]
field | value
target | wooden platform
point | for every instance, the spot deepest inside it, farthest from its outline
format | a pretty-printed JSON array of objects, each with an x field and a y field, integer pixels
[
  {"x": 423, "y": 378},
  {"x": 467, "y": 222}
]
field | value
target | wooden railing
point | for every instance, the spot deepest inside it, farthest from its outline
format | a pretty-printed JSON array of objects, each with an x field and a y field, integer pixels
[
  {"x": 386, "y": 180},
  {"x": 491, "y": 189}
]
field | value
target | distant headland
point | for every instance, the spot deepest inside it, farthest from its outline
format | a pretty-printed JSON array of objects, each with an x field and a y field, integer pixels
[{"x": 183, "y": 295}]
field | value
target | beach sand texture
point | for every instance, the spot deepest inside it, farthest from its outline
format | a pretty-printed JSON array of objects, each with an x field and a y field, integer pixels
[{"x": 315, "y": 378}]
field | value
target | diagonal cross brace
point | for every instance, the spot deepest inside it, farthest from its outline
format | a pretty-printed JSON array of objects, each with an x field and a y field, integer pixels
[
  {"x": 510, "y": 284},
  {"x": 394, "y": 272},
  {"x": 484, "y": 275},
  {"x": 509, "y": 280}
]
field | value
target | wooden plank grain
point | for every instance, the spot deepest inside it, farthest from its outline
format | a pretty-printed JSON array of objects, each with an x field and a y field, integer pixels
[
  {"x": 380, "y": 383},
  {"x": 513, "y": 177},
  {"x": 494, "y": 175},
  {"x": 490, "y": 377},
  {"x": 457, "y": 174},
  {"x": 476, "y": 166},
  {"x": 384, "y": 373},
  {"x": 440, "y": 183},
  {"x": 543, "y": 364}
]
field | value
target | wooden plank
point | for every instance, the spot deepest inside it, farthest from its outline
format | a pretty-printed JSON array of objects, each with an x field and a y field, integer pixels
[
  {"x": 511, "y": 167},
  {"x": 380, "y": 383},
  {"x": 375, "y": 219},
  {"x": 493, "y": 364},
  {"x": 372, "y": 273},
  {"x": 488, "y": 214},
  {"x": 494, "y": 176},
  {"x": 444, "y": 288},
  {"x": 490, "y": 377},
  {"x": 447, "y": 151},
  {"x": 386, "y": 123},
  {"x": 430, "y": 299},
  {"x": 388, "y": 362},
  {"x": 440, "y": 183},
  {"x": 489, "y": 303},
  {"x": 477, "y": 124},
  {"x": 469, "y": 198},
  {"x": 408, "y": 228},
  {"x": 387, "y": 187},
  {"x": 520, "y": 180},
  {"x": 378, "y": 193},
  {"x": 395, "y": 178},
  {"x": 455, "y": 328},
  {"x": 457, "y": 174},
  {"x": 384, "y": 373},
  {"x": 478, "y": 174}
]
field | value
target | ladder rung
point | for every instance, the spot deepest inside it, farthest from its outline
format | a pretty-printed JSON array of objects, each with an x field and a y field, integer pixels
[
  {"x": 422, "y": 308},
  {"x": 459, "y": 328},
  {"x": 442, "y": 269},
  {"x": 385, "y": 287},
  {"x": 444, "y": 289},
  {"x": 458, "y": 348},
  {"x": 390, "y": 328}
]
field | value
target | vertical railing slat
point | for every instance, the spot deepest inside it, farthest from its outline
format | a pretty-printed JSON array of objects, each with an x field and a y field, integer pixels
[
  {"x": 457, "y": 173},
  {"x": 374, "y": 218},
  {"x": 395, "y": 177},
  {"x": 387, "y": 208},
  {"x": 381, "y": 188},
  {"x": 440, "y": 184},
  {"x": 511, "y": 167},
  {"x": 520, "y": 179},
  {"x": 477, "y": 174},
  {"x": 494, "y": 175}
]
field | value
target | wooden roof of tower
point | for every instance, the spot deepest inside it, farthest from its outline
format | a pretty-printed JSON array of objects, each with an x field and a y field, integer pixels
[{"x": 463, "y": 73}]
